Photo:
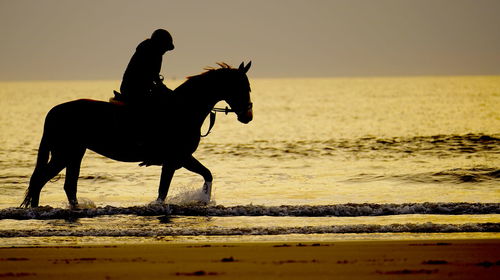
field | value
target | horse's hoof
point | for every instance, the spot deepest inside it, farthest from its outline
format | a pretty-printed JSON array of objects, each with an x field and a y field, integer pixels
[
  {"x": 73, "y": 204},
  {"x": 206, "y": 192}
]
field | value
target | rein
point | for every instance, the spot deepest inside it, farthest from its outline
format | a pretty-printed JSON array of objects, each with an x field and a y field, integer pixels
[
  {"x": 212, "y": 117},
  {"x": 214, "y": 112}
]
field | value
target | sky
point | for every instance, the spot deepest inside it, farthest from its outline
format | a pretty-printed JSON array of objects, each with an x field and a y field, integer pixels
[{"x": 94, "y": 39}]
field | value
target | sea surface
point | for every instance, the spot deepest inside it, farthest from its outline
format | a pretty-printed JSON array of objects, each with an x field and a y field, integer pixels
[{"x": 323, "y": 159}]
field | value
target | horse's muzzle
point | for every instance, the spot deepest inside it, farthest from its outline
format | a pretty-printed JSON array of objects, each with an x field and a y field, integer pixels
[{"x": 245, "y": 116}]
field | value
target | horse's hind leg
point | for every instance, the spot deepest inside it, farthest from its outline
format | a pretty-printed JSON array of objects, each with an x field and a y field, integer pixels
[
  {"x": 72, "y": 173},
  {"x": 195, "y": 166},
  {"x": 41, "y": 175}
]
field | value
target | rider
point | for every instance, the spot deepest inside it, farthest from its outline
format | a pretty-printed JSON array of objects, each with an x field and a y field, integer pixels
[
  {"x": 142, "y": 77},
  {"x": 141, "y": 81}
]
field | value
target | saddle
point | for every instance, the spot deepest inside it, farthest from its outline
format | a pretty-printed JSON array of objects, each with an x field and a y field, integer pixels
[{"x": 117, "y": 99}]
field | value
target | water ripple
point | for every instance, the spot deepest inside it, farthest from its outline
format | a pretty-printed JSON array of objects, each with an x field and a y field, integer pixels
[
  {"x": 365, "y": 147},
  {"x": 274, "y": 230}
]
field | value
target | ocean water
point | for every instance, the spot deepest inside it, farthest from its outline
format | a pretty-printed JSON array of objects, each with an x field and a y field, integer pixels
[{"x": 323, "y": 159}]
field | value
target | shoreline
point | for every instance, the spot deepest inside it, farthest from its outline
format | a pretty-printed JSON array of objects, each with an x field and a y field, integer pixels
[
  {"x": 431, "y": 258},
  {"x": 67, "y": 241}
]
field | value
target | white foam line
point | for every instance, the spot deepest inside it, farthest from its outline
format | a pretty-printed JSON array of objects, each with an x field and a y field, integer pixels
[
  {"x": 218, "y": 231},
  {"x": 338, "y": 210}
]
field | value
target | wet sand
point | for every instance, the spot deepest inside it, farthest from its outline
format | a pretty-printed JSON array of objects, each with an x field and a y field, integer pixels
[{"x": 415, "y": 259}]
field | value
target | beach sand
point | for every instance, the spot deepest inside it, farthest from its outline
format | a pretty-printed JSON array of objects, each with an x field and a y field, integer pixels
[{"x": 413, "y": 259}]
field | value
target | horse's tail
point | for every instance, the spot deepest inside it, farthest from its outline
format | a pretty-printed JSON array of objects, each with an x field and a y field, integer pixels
[{"x": 41, "y": 162}]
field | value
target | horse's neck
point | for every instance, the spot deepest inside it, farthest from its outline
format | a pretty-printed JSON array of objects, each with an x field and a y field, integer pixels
[{"x": 195, "y": 101}]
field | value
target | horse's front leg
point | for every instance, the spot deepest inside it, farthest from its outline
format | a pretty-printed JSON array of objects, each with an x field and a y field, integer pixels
[
  {"x": 195, "y": 166},
  {"x": 167, "y": 173}
]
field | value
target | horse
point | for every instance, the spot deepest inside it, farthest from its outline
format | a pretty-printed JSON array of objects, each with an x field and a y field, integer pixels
[{"x": 163, "y": 131}]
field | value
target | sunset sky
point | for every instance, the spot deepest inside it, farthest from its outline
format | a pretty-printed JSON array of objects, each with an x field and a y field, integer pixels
[{"x": 80, "y": 40}]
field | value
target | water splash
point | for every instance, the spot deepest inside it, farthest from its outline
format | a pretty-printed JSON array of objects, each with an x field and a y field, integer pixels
[{"x": 190, "y": 195}]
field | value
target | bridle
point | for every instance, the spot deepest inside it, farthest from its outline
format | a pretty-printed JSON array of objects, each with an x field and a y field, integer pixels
[
  {"x": 229, "y": 110},
  {"x": 226, "y": 111}
]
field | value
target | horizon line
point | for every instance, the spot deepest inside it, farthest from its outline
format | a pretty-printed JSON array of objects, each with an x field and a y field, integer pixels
[{"x": 174, "y": 78}]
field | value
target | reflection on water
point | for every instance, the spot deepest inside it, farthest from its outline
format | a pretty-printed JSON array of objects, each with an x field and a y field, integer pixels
[{"x": 312, "y": 142}]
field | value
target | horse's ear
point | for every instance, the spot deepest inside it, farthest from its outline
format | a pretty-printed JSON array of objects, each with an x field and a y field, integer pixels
[
  {"x": 248, "y": 66},
  {"x": 244, "y": 68}
]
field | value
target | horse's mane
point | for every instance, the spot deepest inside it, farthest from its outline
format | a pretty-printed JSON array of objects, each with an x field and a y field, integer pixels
[
  {"x": 211, "y": 74},
  {"x": 208, "y": 70}
]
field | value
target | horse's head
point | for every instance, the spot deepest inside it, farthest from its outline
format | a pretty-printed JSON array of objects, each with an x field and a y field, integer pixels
[
  {"x": 237, "y": 94},
  {"x": 224, "y": 83}
]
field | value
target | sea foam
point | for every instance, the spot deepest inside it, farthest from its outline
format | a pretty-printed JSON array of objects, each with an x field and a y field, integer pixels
[
  {"x": 336, "y": 210},
  {"x": 273, "y": 230}
]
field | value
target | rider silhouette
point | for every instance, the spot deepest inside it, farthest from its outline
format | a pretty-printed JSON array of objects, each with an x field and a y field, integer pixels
[
  {"x": 142, "y": 81},
  {"x": 142, "y": 77}
]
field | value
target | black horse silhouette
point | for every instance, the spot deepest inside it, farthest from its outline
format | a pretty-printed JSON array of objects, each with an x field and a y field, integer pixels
[{"x": 166, "y": 133}]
